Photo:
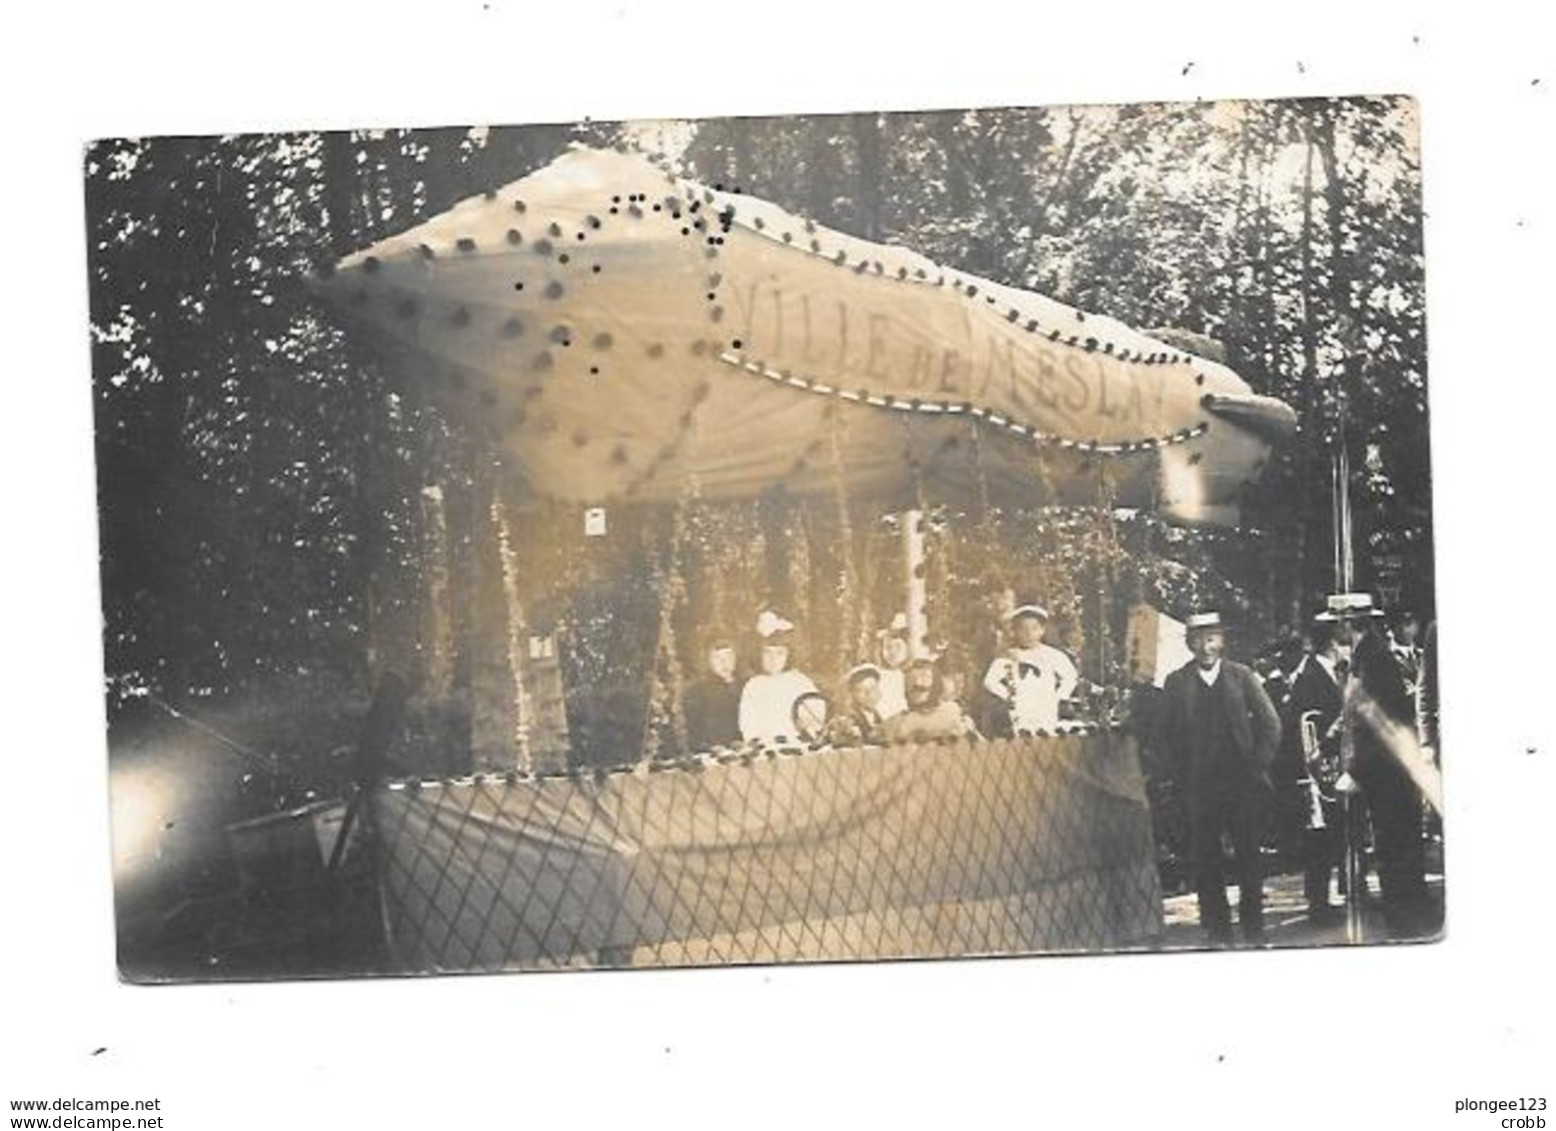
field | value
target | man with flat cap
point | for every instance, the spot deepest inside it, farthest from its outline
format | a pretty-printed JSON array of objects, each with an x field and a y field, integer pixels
[
  {"x": 1220, "y": 732},
  {"x": 1032, "y": 678}
]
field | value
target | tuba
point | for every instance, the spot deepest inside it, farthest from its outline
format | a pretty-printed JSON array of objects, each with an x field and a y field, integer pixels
[{"x": 1323, "y": 769}]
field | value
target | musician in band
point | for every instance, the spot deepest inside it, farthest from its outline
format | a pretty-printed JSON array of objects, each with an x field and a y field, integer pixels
[
  {"x": 1312, "y": 740},
  {"x": 1219, "y": 731},
  {"x": 1380, "y": 688}
]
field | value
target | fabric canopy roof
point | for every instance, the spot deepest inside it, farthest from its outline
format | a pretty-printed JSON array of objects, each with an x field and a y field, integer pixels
[{"x": 627, "y": 334}]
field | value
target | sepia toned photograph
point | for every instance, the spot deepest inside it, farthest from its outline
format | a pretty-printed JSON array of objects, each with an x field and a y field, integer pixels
[{"x": 837, "y": 538}]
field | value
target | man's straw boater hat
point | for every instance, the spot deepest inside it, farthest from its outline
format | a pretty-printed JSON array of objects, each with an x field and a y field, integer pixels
[
  {"x": 1203, "y": 622},
  {"x": 1348, "y": 606},
  {"x": 1026, "y": 611}
]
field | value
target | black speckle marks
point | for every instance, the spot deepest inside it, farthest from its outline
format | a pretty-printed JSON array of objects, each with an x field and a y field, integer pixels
[
  {"x": 788, "y": 237},
  {"x": 513, "y": 328},
  {"x": 520, "y": 207},
  {"x": 426, "y": 251},
  {"x": 815, "y": 246},
  {"x": 465, "y": 244},
  {"x": 561, "y": 335},
  {"x": 1195, "y": 458},
  {"x": 595, "y": 269},
  {"x": 554, "y": 230},
  {"x": 738, "y": 344},
  {"x": 593, "y": 222},
  {"x": 1091, "y": 344},
  {"x": 104, "y": 1048},
  {"x": 543, "y": 362},
  {"x": 972, "y": 291},
  {"x": 1187, "y": 67},
  {"x": 542, "y": 247},
  {"x": 554, "y": 290},
  {"x": 594, "y": 370},
  {"x": 515, "y": 237},
  {"x": 1199, "y": 378},
  {"x": 603, "y": 341}
]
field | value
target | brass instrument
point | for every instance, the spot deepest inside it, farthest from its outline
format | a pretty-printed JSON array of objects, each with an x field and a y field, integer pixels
[
  {"x": 1323, "y": 769},
  {"x": 1308, "y": 727}
]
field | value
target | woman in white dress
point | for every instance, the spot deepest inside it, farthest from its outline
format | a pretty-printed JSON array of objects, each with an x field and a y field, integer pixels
[{"x": 768, "y": 698}]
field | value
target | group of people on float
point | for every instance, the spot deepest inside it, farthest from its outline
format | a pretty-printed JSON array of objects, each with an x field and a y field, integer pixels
[{"x": 892, "y": 698}]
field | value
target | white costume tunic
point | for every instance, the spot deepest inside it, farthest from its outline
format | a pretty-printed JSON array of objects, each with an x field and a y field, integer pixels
[
  {"x": 894, "y": 695},
  {"x": 767, "y": 706},
  {"x": 1033, "y": 682}
]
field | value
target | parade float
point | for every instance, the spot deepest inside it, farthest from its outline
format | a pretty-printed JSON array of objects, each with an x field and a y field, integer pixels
[{"x": 629, "y": 342}]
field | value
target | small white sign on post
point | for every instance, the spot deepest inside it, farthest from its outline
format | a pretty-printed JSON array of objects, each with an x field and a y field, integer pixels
[{"x": 594, "y": 522}]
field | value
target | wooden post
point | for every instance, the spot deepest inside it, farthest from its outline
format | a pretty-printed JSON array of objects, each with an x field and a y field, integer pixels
[{"x": 917, "y": 589}]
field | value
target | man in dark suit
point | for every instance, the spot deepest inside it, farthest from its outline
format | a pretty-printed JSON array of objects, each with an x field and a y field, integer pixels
[
  {"x": 1220, "y": 731},
  {"x": 1382, "y": 687},
  {"x": 1312, "y": 725}
]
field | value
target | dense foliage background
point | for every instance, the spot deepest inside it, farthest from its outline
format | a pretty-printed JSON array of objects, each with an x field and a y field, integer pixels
[{"x": 269, "y": 504}]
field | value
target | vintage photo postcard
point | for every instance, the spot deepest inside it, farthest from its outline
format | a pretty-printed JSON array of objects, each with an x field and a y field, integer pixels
[{"x": 865, "y": 536}]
